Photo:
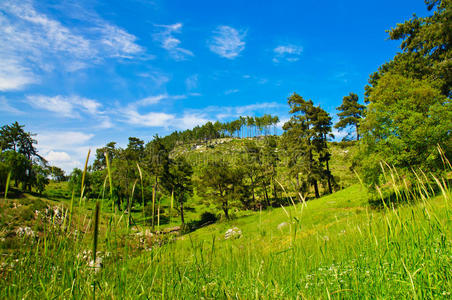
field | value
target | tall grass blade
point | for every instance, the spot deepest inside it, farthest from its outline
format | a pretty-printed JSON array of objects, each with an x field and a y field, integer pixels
[
  {"x": 444, "y": 158},
  {"x": 82, "y": 189},
  {"x": 7, "y": 184},
  {"x": 130, "y": 203},
  {"x": 95, "y": 236},
  {"x": 71, "y": 208},
  {"x": 153, "y": 205},
  {"x": 107, "y": 160},
  {"x": 142, "y": 188}
]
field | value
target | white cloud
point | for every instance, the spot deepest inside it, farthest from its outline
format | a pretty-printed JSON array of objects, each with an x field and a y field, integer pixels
[
  {"x": 227, "y": 42},
  {"x": 14, "y": 76},
  {"x": 120, "y": 42},
  {"x": 61, "y": 140},
  {"x": 257, "y": 107},
  {"x": 55, "y": 104},
  {"x": 151, "y": 100},
  {"x": 281, "y": 122},
  {"x": 131, "y": 113},
  {"x": 56, "y": 156},
  {"x": 150, "y": 119},
  {"x": 189, "y": 120},
  {"x": 33, "y": 43},
  {"x": 157, "y": 78},
  {"x": 288, "y": 53},
  {"x": 105, "y": 123},
  {"x": 170, "y": 43},
  {"x": 339, "y": 135},
  {"x": 67, "y": 106},
  {"x": 6, "y": 107},
  {"x": 65, "y": 149},
  {"x": 191, "y": 82}
]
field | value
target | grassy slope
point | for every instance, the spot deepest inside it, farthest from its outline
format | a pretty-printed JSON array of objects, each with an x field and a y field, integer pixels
[
  {"x": 339, "y": 247},
  {"x": 336, "y": 246},
  {"x": 231, "y": 149}
]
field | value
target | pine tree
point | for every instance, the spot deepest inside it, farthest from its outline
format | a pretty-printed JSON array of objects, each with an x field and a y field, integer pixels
[
  {"x": 322, "y": 128},
  {"x": 351, "y": 113}
]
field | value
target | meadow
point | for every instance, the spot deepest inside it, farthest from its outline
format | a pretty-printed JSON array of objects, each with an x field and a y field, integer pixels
[{"x": 338, "y": 246}]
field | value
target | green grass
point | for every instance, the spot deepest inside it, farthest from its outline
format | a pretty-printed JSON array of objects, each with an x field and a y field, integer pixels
[{"x": 334, "y": 247}]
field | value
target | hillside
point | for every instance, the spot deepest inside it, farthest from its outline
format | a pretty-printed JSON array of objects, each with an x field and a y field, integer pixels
[{"x": 333, "y": 247}]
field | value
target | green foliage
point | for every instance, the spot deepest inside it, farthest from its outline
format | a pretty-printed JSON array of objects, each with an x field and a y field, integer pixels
[
  {"x": 20, "y": 156},
  {"x": 304, "y": 140},
  {"x": 426, "y": 46},
  {"x": 177, "y": 179},
  {"x": 57, "y": 174},
  {"x": 16, "y": 163},
  {"x": 406, "y": 120},
  {"x": 222, "y": 184},
  {"x": 410, "y": 111},
  {"x": 40, "y": 178},
  {"x": 75, "y": 183}
]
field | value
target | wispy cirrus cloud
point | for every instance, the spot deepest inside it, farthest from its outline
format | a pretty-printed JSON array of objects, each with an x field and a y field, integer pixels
[
  {"x": 191, "y": 82},
  {"x": 289, "y": 53},
  {"x": 227, "y": 42},
  {"x": 131, "y": 113},
  {"x": 7, "y": 107},
  {"x": 119, "y": 42},
  {"x": 66, "y": 106},
  {"x": 34, "y": 43},
  {"x": 150, "y": 119},
  {"x": 167, "y": 40},
  {"x": 231, "y": 91}
]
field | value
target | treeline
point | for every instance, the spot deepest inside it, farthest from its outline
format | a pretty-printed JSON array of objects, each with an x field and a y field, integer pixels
[
  {"x": 145, "y": 174},
  {"x": 248, "y": 126}
]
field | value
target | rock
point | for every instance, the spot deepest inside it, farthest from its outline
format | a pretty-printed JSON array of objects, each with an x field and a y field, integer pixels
[
  {"x": 25, "y": 231},
  {"x": 233, "y": 233},
  {"x": 97, "y": 265},
  {"x": 172, "y": 229},
  {"x": 282, "y": 225}
]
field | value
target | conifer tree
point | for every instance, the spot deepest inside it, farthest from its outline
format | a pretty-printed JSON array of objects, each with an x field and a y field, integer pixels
[{"x": 351, "y": 113}]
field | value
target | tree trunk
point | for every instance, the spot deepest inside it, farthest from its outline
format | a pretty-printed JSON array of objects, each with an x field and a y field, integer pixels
[
  {"x": 275, "y": 195},
  {"x": 154, "y": 193},
  {"x": 252, "y": 189},
  {"x": 329, "y": 177},
  {"x": 298, "y": 181},
  {"x": 182, "y": 214},
  {"x": 357, "y": 133},
  {"x": 226, "y": 210},
  {"x": 316, "y": 188},
  {"x": 266, "y": 195}
]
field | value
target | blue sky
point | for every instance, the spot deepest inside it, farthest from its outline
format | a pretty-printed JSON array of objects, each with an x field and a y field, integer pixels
[{"x": 83, "y": 73}]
